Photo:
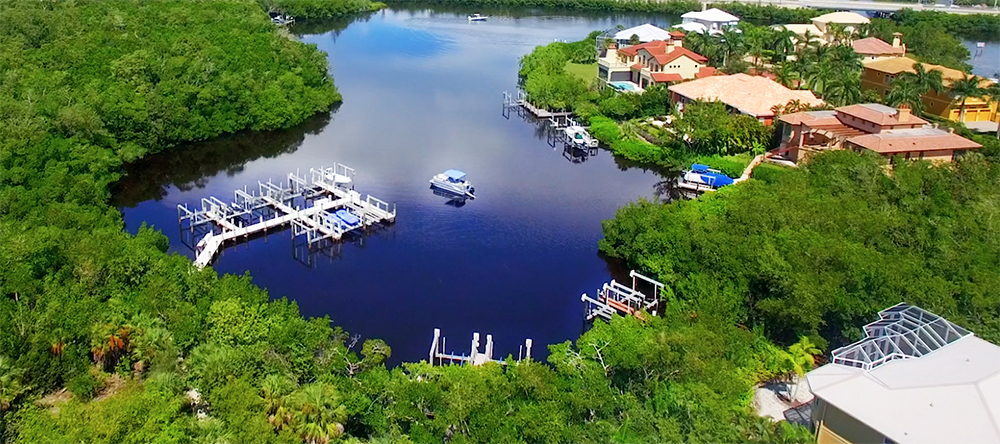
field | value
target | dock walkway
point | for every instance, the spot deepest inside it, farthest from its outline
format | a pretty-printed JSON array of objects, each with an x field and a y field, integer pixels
[
  {"x": 522, "y": 102},
  {"x": 273, "y": 206}
]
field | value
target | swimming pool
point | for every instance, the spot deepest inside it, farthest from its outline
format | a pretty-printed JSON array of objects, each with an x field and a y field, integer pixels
[{"x": 624, "y": 86}]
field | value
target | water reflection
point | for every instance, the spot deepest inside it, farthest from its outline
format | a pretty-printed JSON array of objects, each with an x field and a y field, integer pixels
[{"x": 191, "y": 166}]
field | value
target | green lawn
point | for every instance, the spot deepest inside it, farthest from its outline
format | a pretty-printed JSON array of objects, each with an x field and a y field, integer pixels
[{"x": 586, "y": 72}]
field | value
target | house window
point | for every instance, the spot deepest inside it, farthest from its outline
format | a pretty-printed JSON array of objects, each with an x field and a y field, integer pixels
[{"x": 888, "y": 78}]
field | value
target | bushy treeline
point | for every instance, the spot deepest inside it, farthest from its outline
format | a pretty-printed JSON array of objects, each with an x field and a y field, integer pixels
[
  {"x": 820, "y": 249},
  {"x": 320, "y": 9},
  {"x": 110, "y": 339},
  {"x": 671, "y": 7}
]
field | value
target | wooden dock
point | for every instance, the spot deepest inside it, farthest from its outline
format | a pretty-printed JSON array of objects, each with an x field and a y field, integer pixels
[
  {"x": 274, "y": 206},
  {"x": 438, "y": 356},
  {"x": 613, "y": 298},
  {"x": 522, "y": 102}
]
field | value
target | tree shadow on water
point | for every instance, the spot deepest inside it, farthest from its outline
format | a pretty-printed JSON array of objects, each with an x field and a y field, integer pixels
[{"x": 189, "y": 166}]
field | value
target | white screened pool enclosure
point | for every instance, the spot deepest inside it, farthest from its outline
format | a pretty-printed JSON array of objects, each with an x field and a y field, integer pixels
[{"x": 902, "y": 331}]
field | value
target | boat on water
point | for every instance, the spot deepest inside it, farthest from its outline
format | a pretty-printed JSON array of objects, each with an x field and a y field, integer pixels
[
  {"x": 477, "y": 17},
  {"x": 346, "y": 219},
  {"x": 454, "y": 181},
  {"x": 337, "y": 179},
  {"x": 578, "y": 136},
  {"x": 702, "y": 178}
]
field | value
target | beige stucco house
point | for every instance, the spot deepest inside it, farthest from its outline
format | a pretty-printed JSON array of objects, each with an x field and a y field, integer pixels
[{"x": 650, "y": 63}]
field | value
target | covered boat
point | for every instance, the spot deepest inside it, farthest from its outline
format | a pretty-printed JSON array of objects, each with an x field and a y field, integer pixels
[
  {"x": 454, "y": 181},
  {"x": 701, "y": 177},
  {"x": 579, "y": 137}
]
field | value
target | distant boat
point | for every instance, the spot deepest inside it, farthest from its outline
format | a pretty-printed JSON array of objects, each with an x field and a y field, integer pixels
[
  {"x": 454, "y": 181},
  {"x": 702, "y": 178},
  {"x": 477, "y": 18}
]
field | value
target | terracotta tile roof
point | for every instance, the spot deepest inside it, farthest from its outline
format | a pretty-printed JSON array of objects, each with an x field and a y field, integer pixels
[
  {"x": 875, "y": 46},
  {"x": 897, "y": 65},
  {"x": 811, "y": 118},
  {"x": 662, "y": 52},
  {"x": 879, "y": 114},
  {"x": 751, "y": 95},
  {"x": 705, "y": 71},
  {"x": 910, "y": 140},
  {"x": 665, "y": 77},
  {"x": 677, "y": 34}
]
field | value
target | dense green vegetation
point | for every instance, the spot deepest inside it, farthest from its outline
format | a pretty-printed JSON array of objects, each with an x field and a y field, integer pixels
[
  {"x": 109, "y": 339},
  {"x": 820, "y": 249},
  {"x": 320, "y": 9}
]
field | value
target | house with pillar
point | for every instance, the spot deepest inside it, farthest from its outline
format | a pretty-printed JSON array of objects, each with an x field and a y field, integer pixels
[
  {"x": 873, "y": 127},
  {"x": 879, "y": 74},
  {"x": 636, "y": 67}
]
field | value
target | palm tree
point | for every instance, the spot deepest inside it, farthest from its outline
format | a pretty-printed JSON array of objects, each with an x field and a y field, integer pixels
[
  {"x": 733, "y": 44},
  {"x": 844, "y": 88},
  {"x": 931, "y": 80},
  {"x": 993, "y": 93},
  {"x": 784, "y": 73},
  {"x": 965, "y": 88},
  {"x": 906, "y": 91},
  {"x": 818, "y": 76},
  {"x": 318, "y": 414},
  {"x": 783, "y": 43}
]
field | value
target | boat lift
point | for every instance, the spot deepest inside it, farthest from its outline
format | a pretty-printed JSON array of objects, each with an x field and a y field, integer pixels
[
  {"x": 614, "y": 297},
  {"x": 438, "y": 356},
  {"x": 331, "y": 210}
]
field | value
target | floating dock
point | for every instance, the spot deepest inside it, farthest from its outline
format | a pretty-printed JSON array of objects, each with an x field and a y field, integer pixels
[
  {"x": 613, "y": 298},
  {"x": 321, "y": 208},
  {"x": 438, "y": 356}
]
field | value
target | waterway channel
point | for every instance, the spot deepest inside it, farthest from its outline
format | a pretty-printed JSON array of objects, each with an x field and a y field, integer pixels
[{"x": 422, "y": 93}]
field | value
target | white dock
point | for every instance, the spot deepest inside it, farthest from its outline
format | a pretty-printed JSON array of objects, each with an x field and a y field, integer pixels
[
  {"x": 522, "y": 102},
  {"x": 438, "y": 356},
  {"x": 613, "y": 298},
  {"x": 274, "y": 206}
]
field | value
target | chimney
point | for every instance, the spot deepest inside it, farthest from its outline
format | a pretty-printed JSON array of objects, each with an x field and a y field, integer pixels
[
  {"x": 904, "y": 113},
  {"x": 612, "y": 52},
  {"x": 897, "y": 39}
]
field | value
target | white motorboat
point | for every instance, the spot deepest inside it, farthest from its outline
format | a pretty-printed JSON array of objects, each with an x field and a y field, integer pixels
[
  {"x": 337, "y": 179},
  {"x": 477, "y": 17},
  {"x": 702, "y": 178},
  {"x": 454, "y": 181},
  {"x": 578, "y": 136}
]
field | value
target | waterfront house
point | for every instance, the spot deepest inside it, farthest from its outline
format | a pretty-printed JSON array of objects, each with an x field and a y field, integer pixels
[
  {"x": 646, "y": 33},
  {"x": 879, "y": 74},
  {"x": 755, "y": 96},
  {"x": 915, "y": 378},
  {"x": 874, "y": 48},
  {"x": 712, "y": 21},
  {"x": 873, "y": 127},
  {"x": 637, "y": 67},
  {"x": 820, "y": 29}
]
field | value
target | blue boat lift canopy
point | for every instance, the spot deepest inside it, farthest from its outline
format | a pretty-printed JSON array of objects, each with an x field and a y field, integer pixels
[
  {"x": 710, "y": 176},
  {"x": 455, "y": 175}
]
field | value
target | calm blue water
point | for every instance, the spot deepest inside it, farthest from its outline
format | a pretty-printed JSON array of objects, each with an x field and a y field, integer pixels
[{"x": 422, "y": 93}]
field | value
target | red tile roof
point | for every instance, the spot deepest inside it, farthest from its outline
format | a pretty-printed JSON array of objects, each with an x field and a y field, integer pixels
[
  {"x": 665, "y": 77},
  {"x": 880, "y": 115},
  {"x": 677, "y": 34},
  {"x": 638, "y": 66},
  {"x": 751, "y": 95},
  {"x": 663, "y": 53},
  {"x": 875, "y": 46},
  {"x": 705, "y": 71},
  {"x": 911, "y": 140}
]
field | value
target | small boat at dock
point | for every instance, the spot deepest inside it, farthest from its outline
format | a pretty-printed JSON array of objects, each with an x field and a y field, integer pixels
[
  {"x": 477, "y": 17},
  {"x": 578, "y": 136},
  {"x": 454, "y": 181},
  {"x": 702, "y": 178}
]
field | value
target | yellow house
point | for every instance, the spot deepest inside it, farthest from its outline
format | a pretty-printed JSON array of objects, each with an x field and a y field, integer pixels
[{"x": 878, "y": 76}]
